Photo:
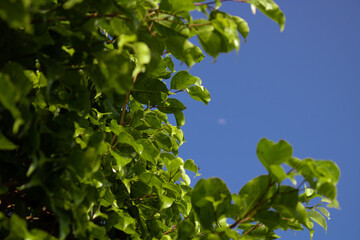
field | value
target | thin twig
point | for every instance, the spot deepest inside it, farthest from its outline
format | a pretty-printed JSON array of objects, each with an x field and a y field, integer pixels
[
  {"x": 252, "y": 229},
  {"x": 248, "y": 215},
  {"x": 171, "y": 177},
  {"x": 241, "y": 221},
  {"x": 169, "y": 231},
  {"x": 303, "y": 181},
  {"x": 122, "y": 120}
]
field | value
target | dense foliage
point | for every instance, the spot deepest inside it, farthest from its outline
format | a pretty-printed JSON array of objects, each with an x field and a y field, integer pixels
[{"x": 86, "y": 148}]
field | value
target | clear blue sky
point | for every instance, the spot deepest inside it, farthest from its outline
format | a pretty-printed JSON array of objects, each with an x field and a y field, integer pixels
[{"x": 301, "y": 85}]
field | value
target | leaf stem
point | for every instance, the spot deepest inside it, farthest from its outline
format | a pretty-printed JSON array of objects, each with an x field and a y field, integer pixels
[
  {"x": 122, "y": 120},
  {"x": 171, "y": 177},
  {"x": 169, "y": 231},
  {"x": 249, "y": 214},
  {"x": 252, "y": 229},
  {"x": 303, "y": 181}
]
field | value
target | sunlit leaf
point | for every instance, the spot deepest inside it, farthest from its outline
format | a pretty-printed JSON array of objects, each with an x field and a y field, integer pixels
[
  {"x": 172, "y": 105},
  {"x": 270, "y": 153},
  {"x": 242, "y": 26},
  {"x": 318, "y": 218},
  {"x": 272, "y": 10},
  {"x": 199, "y": 93},
  {"x": 324, "y": 211},
  {"x": 183, "y": 79}
]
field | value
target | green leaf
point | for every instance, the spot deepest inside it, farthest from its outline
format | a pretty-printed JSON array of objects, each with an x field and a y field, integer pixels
[
  {"x": 324, "y": 211},
  {"x": 8, "y": 95},
  {"x": 116, "y": 128},
  {"x": 166, "y": 237},
  {"x": 230, "y": 233},
  {"x": 96, "y": 141},
  {"x": 210, "y": 236},
  {"x": 150, "y": 91},
  {"x": 328, "y": 169},
  {"x": 166, "y": 202},
  {"x": 278, "y": 172},
  {"x": 270, "y": 153},
  {"x": 184, "y": 50},
  {"x": 270, "y": 218},
  {"x": 120, "y": 159},
  {"x": 99, "y": 232},
  {"x": 186, "y": 178},
  {"x": 186, "y": 230},
  {"x": 126, "y": 138},
  {"x": 305, "y": 167},
  {"x": 177, "y": 5},
  {"x": 180, "y": 119},
  {"x": 143, "y": 56},
  {"x": 163, "y": 141},
  {"x": 228, "y": 28},
  {"x": 318, "y": 218},
  {"x": 183, "y": 79},
  {"x": 293, "y": 225},
  {"x": 261, "y": 232},
  {"x": 173, "y": 187},
  {"x": 71, "y": 3},
  {"x": 191, "y": 166},
  {"x": 210, "y": 199},
  {"x": 116, "y": 72},
  {"x": 172, "y": 163},
  {"x": 327, "y": 189},
  {"x": 124, "y": 222},
  {"x": 152, "y": 180},
  {"x": 171, "y": 25},
  {"x": 242, "y": 26},
  {"x": 302, "y": 216},
  {"x": 142, "y": 52},
  {"x": 172, "y": 105},
  {"x": 272, "y": 10},
  {"x": 161, "y": 69},
  {"x": 85, "y": 163},
  {"x": 16, "y": 14},
  {"x": 199, "y": 93},
  {"x": 211, "y": 40},
  {"x": 152, "y": 120},
  {"x": 14, "y": 86},
  {"x": 285, "y": 201},
  {"x": 6, "y": 144},
  {"x": 150, "y": 152},
  {"x": 18, "y": 227},
  {"x": 140, "y": 189},
  {"x": 255, "y": 190}
]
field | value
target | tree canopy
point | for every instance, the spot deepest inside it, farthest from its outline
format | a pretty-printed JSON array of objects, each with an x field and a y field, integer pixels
[{"x": 86, "y": 147}]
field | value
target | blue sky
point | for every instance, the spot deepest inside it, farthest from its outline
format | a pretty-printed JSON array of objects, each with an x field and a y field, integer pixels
[{"x": 301, "y": 85}]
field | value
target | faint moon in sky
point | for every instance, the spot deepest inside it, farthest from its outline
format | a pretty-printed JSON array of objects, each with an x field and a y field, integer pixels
[{"x": 222, "y": 121}]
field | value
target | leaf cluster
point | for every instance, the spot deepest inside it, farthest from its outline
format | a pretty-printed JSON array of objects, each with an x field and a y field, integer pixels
[{"x": 86, "y": 147}]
